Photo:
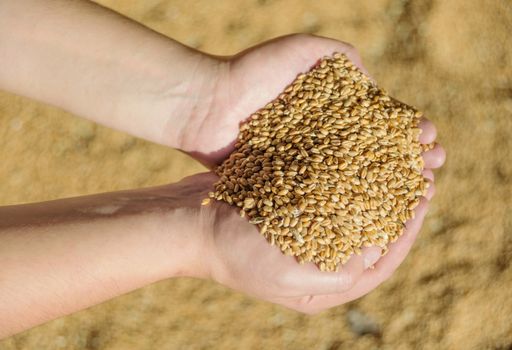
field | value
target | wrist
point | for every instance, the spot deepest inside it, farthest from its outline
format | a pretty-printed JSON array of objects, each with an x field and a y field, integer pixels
[
  {"x": 197, "y": 112},
  {"x": 182, "y": 244},
  {"x": 197, "y": 102},
  {"x": 185, "y": 227}
]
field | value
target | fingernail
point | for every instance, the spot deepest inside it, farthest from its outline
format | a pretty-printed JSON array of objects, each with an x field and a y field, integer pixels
[{"x": 370, "y": 258}]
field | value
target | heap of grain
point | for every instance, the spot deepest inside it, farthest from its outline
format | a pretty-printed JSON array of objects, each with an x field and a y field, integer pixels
[{"x": 330, "y": 166}]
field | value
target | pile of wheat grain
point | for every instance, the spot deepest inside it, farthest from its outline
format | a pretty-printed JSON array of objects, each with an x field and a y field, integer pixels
[{"x": 330, "y": 166}]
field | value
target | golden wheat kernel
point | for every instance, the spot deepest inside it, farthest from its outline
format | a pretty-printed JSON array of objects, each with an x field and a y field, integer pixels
[{"x": 249, "y": 203}]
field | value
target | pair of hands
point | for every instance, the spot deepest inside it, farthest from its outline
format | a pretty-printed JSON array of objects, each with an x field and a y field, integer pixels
[
  {"x": 127, "y": 77},
  {"x": 234, "y": 252}
]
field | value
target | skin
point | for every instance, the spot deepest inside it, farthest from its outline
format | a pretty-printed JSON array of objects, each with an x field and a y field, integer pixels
[{"x": 62, "y": 256}]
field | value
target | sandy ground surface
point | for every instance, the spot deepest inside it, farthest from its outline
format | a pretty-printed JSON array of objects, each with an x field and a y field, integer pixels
[{"x": 451, "y": 59}]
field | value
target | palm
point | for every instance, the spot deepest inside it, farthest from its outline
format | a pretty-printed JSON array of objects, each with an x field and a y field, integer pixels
[
  {"x": 248, "y": 263},
  {"x": 251, "y": 80}
]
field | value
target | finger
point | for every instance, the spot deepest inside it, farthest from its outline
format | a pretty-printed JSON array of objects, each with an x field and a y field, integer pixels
[
  {"x": 428, "y": 174},
  {"x": 371, "y": 256},
  {"x": 434, "y": 158},
  {"x": 431, "y": 190},
  {"x": 428, "y": 131},
  {"x": 370, "y": 278},
  {"x": 307, "y": 279}
]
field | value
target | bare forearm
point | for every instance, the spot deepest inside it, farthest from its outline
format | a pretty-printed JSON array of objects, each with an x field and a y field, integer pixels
[
  {"x": 100, "y": 65},
  {"x": 62, "y": 256}
]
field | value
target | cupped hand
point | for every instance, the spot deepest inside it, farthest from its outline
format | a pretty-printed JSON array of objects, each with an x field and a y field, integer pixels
[
  {"x": 238, "y": 256},
  {"x": 248, "y": 81}
]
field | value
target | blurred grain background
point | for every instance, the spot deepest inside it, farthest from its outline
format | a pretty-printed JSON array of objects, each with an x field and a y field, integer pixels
[{"x": 452, "y": 59}]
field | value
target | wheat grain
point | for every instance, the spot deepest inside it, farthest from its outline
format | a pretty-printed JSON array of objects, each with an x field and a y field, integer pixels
[{"x": 329, "y": 167}]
